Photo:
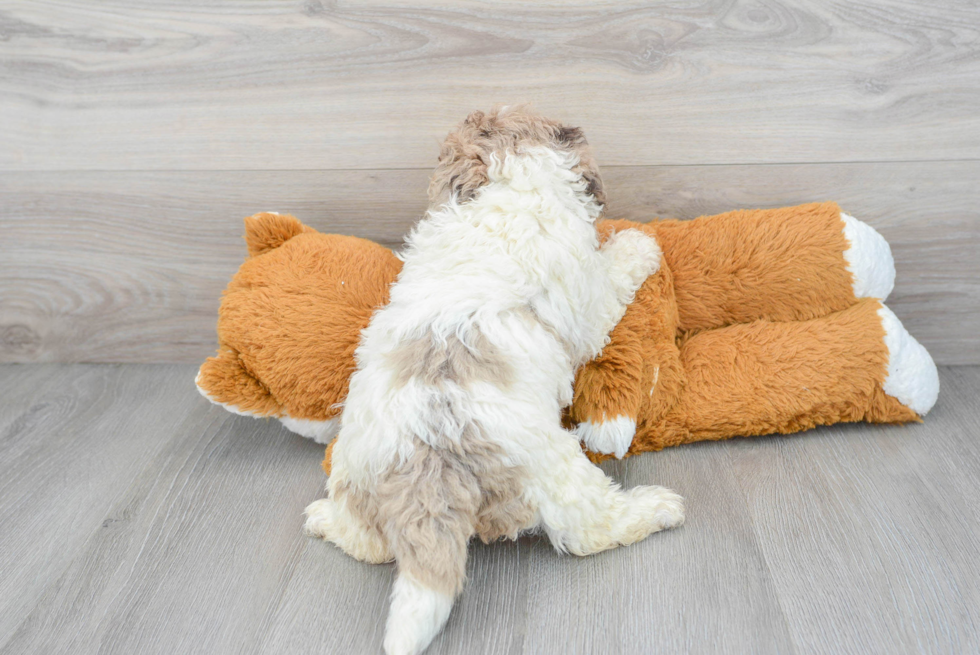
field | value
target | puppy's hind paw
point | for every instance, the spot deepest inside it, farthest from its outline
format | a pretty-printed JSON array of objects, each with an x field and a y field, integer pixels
[
  {"x": 319, "y": 518},
  {"x": 663, "y": 508},
  {"x": 612, "y": 437}
]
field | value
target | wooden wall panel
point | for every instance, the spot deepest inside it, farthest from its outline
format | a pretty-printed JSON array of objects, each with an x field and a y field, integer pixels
[
  {"x": 129, "y": 266},
  {"x": 237, "y": 84}
]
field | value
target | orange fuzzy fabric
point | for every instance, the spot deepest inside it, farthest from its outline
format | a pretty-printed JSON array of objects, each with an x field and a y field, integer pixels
[
  {"x": 749, "y": 327},
  {"x": 291, "y": 318}
]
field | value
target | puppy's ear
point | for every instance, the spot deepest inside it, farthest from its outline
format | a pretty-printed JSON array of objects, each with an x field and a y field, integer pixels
[
  {"x": 459, "y": 173},
  {"x": 595, "y": 187},
  {"x": 476, "y": 119},
  {"x": 463, "y": 160},
  {"x": 570, "y": 138}
]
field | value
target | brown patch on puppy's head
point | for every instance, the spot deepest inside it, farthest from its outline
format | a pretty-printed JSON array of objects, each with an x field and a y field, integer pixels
[{"x": 465, "y": 154}]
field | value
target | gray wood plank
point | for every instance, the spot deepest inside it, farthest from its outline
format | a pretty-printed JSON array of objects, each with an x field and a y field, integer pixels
[
  {"x": 20, "y": 387},
  {"x": 317, "y": 85},
  {"x": 129, "y": 267},
  {"x": 702, "y": 588},
  {"x": 75, "y": 451},
  {"x": 334, "y": 604},
  {"x": 950, "y": 469},
  {"x": 869, "y": 532},
  {"x": 196, "y": 552}
]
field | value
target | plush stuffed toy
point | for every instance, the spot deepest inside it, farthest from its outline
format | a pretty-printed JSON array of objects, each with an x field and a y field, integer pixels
[{"x": 758, "y": 322}]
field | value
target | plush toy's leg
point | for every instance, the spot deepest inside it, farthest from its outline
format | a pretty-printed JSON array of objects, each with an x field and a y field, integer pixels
[
  {"x": 788, "y": 264},
  {"x": 640, "y": 357},
  {"x": 224, "y": 381},
  {"x": 761, "y": 378},
  {"x": 869, "y": 260},
  {"x": 583, "y": 511},
  {"x": 607, "y": 389},
  {"x": 912, "y": 377}
]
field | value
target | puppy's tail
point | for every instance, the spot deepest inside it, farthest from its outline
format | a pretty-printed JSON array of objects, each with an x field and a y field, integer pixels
[
  {"x": 428, "y": 528},
  {"x": 416, "y": 616}
]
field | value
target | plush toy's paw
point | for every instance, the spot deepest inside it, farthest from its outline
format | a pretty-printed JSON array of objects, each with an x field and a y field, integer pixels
[
  {"x": 869, "y": 259},
  {"x": 612, "y": 437},
  {"x": 912, "y": 376},
  {"x": 635, "y": 255},
  {"x": 321, "y": 432}
]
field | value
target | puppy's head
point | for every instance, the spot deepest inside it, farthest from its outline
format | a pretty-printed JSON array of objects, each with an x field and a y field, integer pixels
[{"x": 465, "y": 154}]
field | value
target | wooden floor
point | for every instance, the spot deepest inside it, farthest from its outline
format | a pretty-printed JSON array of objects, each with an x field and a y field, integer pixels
[{"x": 135, "y": 517}]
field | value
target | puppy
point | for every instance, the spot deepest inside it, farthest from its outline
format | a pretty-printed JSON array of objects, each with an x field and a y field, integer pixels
[{"x": 452, "y": 426}]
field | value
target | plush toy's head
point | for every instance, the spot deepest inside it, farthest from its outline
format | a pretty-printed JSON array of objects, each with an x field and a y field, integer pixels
[
  {"x": 466, "y": 152},
  {"x": 291, "y": 319}
]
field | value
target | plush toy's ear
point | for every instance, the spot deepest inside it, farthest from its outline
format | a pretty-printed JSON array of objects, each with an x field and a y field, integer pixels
[
  {"x": 267, "y": 230},
  {"x": 224, "y": 381}
]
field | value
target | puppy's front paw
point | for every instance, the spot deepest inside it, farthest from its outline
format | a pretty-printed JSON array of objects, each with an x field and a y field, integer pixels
[
  {"x": 636, "y": 256},
  {"x": 612, "y": 437}
]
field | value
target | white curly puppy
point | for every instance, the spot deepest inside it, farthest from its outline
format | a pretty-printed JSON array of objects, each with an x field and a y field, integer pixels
[{"x": 452, "y": 426}]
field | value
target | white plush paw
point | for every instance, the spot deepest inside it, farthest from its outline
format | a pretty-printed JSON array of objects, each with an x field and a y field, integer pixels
[
  {"x": 869, "y": 259},
  {"x": 636, "y": 256},
  {"x": 662, "y": 506},
  {"x": 912, "y": 376},
  {"x": 611, "y": 437},
  {"x": 321, "y": 432}
]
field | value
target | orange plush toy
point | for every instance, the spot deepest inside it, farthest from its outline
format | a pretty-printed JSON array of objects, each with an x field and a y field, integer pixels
[{"x": 758, "y": 322}]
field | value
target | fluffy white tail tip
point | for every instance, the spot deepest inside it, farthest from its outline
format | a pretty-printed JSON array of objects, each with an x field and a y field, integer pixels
[
  {"x": 912, "y": 376},
  {"x": 416, "y": 616}
]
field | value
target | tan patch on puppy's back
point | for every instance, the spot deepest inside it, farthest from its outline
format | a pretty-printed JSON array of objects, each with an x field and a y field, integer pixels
[
  {"x": 431, "y": 361},
  {"x": 429, "y": 506}
]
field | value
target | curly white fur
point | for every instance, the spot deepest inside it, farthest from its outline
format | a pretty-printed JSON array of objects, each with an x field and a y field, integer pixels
[{"x": 519, "y": 267}]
